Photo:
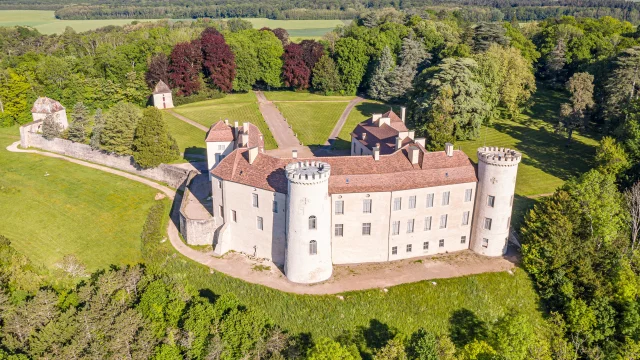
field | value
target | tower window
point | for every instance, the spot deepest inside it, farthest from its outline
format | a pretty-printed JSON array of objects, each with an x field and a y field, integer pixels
[
  {"x": 463, "y": 240},
  {"x": 430, "y": 200},
  {"x": 445, "y": 198},
  {"x": 412, "y": 202},
  {"x": 397, "y": 204},
  {"x": 339, "y": 209},
  {"x": 491, "y": 201},
  {"x": 410, "y": 224},
  {"x": 313, "y": 247},
  {"x": 467, "y": 195},
  {"x": 485, "y": 242},
  {"x": 312, "y": 222},
  {"x": 425, "y": 245},
  {"x": 255, "y": 200},
  {"x": 233, "y": 216},
  {"x": 487, "y": 223},
  {"x": 259, "y": 223},
  {"x": 427, "y": 223},
  {"x": 220, "y": 184},
  {"x": 396, "y": 228},
  {"x": 408, "y": 248},
  {"x": 441, "y": 243},
  {"x": 443, "y": 221},
  {"x": 366, "y": 228},
  {"x": 394, "y": 250},
  {"x": 275, "y": 206},
  {"x": 221, "y": 147},
  {"x": 465, "y": 218},
  {"x": 339, "y": 230},
  {"x": 366, "y": 206}
]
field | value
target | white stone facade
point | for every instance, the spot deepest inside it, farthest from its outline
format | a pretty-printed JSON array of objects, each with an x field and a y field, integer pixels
[{"x": 163, "y": 101}]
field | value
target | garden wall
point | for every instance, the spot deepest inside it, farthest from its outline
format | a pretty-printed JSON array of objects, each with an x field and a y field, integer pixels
[
  {"x": 171, "y": 175},
  {"x": 195, "y": 231}
]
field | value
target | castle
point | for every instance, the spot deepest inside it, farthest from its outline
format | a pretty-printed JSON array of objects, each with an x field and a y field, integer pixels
[{"x": 391, "y": 199}]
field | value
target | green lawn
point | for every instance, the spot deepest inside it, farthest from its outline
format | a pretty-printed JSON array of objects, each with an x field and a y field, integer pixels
[
  {"x": 51, "y": 208},
  {"x": 302, "y": 96},
  {"x": 235, "y": 107},
  {"x": 312, "y": 121},
  {"x": 190, "y": 139}
]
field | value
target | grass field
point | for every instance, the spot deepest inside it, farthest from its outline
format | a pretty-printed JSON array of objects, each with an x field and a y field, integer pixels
[
  {"x": 235, "y": 107},
  {"x": 302, "y": 96},
  {"x": 51, "y": 208},
  {"x": 46, "y": 23},
  {"x": 312, "y": 121},
  {"x": 189, "y": 138}
]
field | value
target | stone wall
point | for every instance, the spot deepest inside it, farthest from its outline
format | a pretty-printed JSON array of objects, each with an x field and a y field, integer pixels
[
  {"x": 171, "y": 175},
  {"x": 195, "y": 231}
]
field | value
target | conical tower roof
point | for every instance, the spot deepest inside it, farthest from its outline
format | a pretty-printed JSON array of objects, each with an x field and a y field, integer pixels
[{"x": 161, "y": 88}]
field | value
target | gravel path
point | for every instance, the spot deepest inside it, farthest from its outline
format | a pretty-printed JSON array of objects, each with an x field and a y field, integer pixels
[
  {"x": 343, "y": 119},
  {"x": 188, "y": 121}
]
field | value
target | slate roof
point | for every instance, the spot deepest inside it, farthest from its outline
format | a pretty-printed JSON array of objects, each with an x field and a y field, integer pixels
[
  {"x": 45, "y": 105},
  {"x": 355, "y": 174},
  {"x": 384, "y": 135},
  {"x": 161, "y": 88}
]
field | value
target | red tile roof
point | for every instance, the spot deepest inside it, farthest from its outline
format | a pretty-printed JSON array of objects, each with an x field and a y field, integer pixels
[
  {"x": 45, "y": 105},
  {"x": 219, "y": 132},
  {"x": 355, "y": 174},
  {"x": 384, "y": 135},
  {"x": 222, "y": 131}
]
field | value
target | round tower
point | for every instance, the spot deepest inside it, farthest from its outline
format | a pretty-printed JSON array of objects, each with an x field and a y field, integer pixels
[
  {"x": 497, "y": 170},
  {"x": 308, "y": 250}
]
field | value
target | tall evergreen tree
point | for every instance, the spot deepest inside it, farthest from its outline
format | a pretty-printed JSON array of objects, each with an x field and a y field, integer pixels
[
  {"x": 119, "y": 128},
  {"x": 219, "y": 62},
  {"x": 623, "y": 85},
  {"x": 80, "y": 120},
  {"x": 574, "y": 114},
  {"x": 184, "y": 67},
  {"x": 152, "y": 143},
  {"x": 325, "y": 76},
  {"x": 378, "y": 85},
  {"x": 295, "y": 72},
  {"x": 486, "y": 34},
  {"x": 98, "y": 125},
  {"x": 50, "y": 128}
]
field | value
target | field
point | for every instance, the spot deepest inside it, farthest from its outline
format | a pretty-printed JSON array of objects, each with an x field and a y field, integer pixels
[
  {"x": 235, "y": 107},
  {"x": 51, "y": 208},
  {"x": 190, "y": 140},
  {"x": 46, "y": 23},
  {"x": 312, "y": 121}
]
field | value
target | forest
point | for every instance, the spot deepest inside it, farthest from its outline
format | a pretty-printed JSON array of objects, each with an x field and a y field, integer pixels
[{"x": 455, "y": 75}]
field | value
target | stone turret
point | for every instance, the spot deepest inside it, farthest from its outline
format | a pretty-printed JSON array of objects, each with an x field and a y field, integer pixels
[
  {"x": 497, "y": 170},
  {"x": 308, "y": 249}
]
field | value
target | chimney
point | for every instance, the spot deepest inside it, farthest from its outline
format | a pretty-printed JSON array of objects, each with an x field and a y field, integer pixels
[
  {"x": 253, "y": 154},
  {"x": 294, "y": 154},
  {"x": 245, "y": 140},
  {"x": 226, "y": 122},
  {"x": 376, "y": 153},
  {"x": 414, "y": 153},
  {"x": 403, "y": 134},
  {"x": 384, "y": 120},
  {"x": 448, "y": 149},
  {"x": 403, "y": 113},
  {"x": 235, "y": 130},
  {"x": 412, "y": 134},
  {"x": 245, "y": 128},
  {"x": 398, "y": 143},
  {"x": 364, "y": 136},
  {"x": 375, "y": 117},
  {"x": 421, "y": 141}
]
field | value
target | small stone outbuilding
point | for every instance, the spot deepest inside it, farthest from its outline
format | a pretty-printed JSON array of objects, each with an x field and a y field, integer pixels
[
  {"x": 45, "y": 106},
  {"x": 162, "y": 98}
]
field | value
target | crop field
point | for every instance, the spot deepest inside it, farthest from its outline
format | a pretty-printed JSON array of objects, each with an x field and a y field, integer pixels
[
  {"x": 235, "y": 107},
  {"x": 190, "y": 139},
  {"x": 312, "y": 121},
  {"x": 45, "y": 22},
  {"x": 52, "y": 208}
]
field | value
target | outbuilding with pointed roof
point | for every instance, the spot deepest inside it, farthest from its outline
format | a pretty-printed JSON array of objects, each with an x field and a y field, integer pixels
[
  {"x": 162, "y": 97},
  {"x": 45, "y": 106}
]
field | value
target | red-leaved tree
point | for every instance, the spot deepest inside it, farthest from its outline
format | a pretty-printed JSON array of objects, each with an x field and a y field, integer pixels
[
  {"x": 158, "y": 70},
  {"x": 280, "y": 33},
  {"x": 312, "y": 51},
  {"x": 219, "y": 62},
  {"x": 184, "y": 67},
  {"x": 295, "y": 72}
]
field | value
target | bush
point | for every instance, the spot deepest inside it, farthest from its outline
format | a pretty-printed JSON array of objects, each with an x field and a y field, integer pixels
[{"x": 203, "y": 95}]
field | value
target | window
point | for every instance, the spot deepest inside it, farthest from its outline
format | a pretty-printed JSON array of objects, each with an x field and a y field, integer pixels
[
  {"x": 275, "y": 206},
  {"x": 220, "y": 184},
  {"x": 313, "y": 247},
  {"x": 443, "y": 221},
  {"x": 491, "y": 200},
  {"x": 366, "y": 206},
  {"x": 366, "y": 228},
  {"x": 233, "y": 216},
  {"x": 221, "y": 147},
  {"x": 467, "y": 195},
  {"x": 511, "y": 201},
  {"x": 360, "y": 151},
  {"x": 445, "y": 198},
  {"x": 430, "y": 200},
  {"x": 485, "y": 242},
  {"x": 397, "y": 204},
  {"x": 259, "y": 223},
  {"x": 441, "y": 243},
  {"x": 394, "y": 250},
  {"x": 463, "y": 240},
  {"x": 410, "y": 224},
  {"x": 412, "y": 202},
  {"x": 255, "y": 200},
  {"x": 396, "y": 228},
  {"x": 487, "y": 223},
  {"x": 408, "y": 248},
  {"x": 221, "y": 210},
  {"x": 339, "y": 210},
  {"x": 339, "y": 231},
  {"x": 465, "y": 218},
  {"x": 425, "y": 245},
  {"x": 427, "y": 223},
  {"x": 353, "y": 148},
  {"x": 313, "y": 222}
]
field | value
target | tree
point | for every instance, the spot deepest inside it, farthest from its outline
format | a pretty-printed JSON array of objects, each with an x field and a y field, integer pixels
[
  {"x": 519, "y": 41},
  {"x": 574, "y": 114},
  {"x": 15, "y": 90},
  {"x": 246, "y": 57},
  {"x": 280, "y": 33},
  {"x": 80, "y": 116},
  {"x": 325, "y": 76},
  {"x": 412, "y": 57},
  {"x": 393, "y": 350},
  {"x": 513, "y": 336},
  {"x": 486, "y": 34},
  {"x": 378, "y": 85},
  {"x": 623, "y": 84},
  {"x": 219, "y": 62},
  {"x": 98, "y": 125},
  {"x": 448, "y": 92},
  {"x": 152, "y": 143},
  {"x": 423, "y": 345},
  {"x": 236, "y": 25},
  {"x": 295, "y": 72},
  {"x": 50, "y": 128},
  {"x": 477, "y": 350},
  {"x": 119, "y": 128},
  {"x": 327, "y": 349},
  {"x": 632, "y": 200},
  {"x": 351, "y": 59},
  {"x": 312, "y": 51},
  {"x": 611, "y": 158},
  {"x": 269, "y": 51},
  {"x": 158, "y": 70},
  {"x": 555, "y": 62},
  {"x": 184, "y": 67}
]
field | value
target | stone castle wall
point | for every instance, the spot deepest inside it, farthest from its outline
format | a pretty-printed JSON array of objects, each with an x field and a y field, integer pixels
[
  {"x": 171, "y": 175},
  {"x": 195, "y": 231}
]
